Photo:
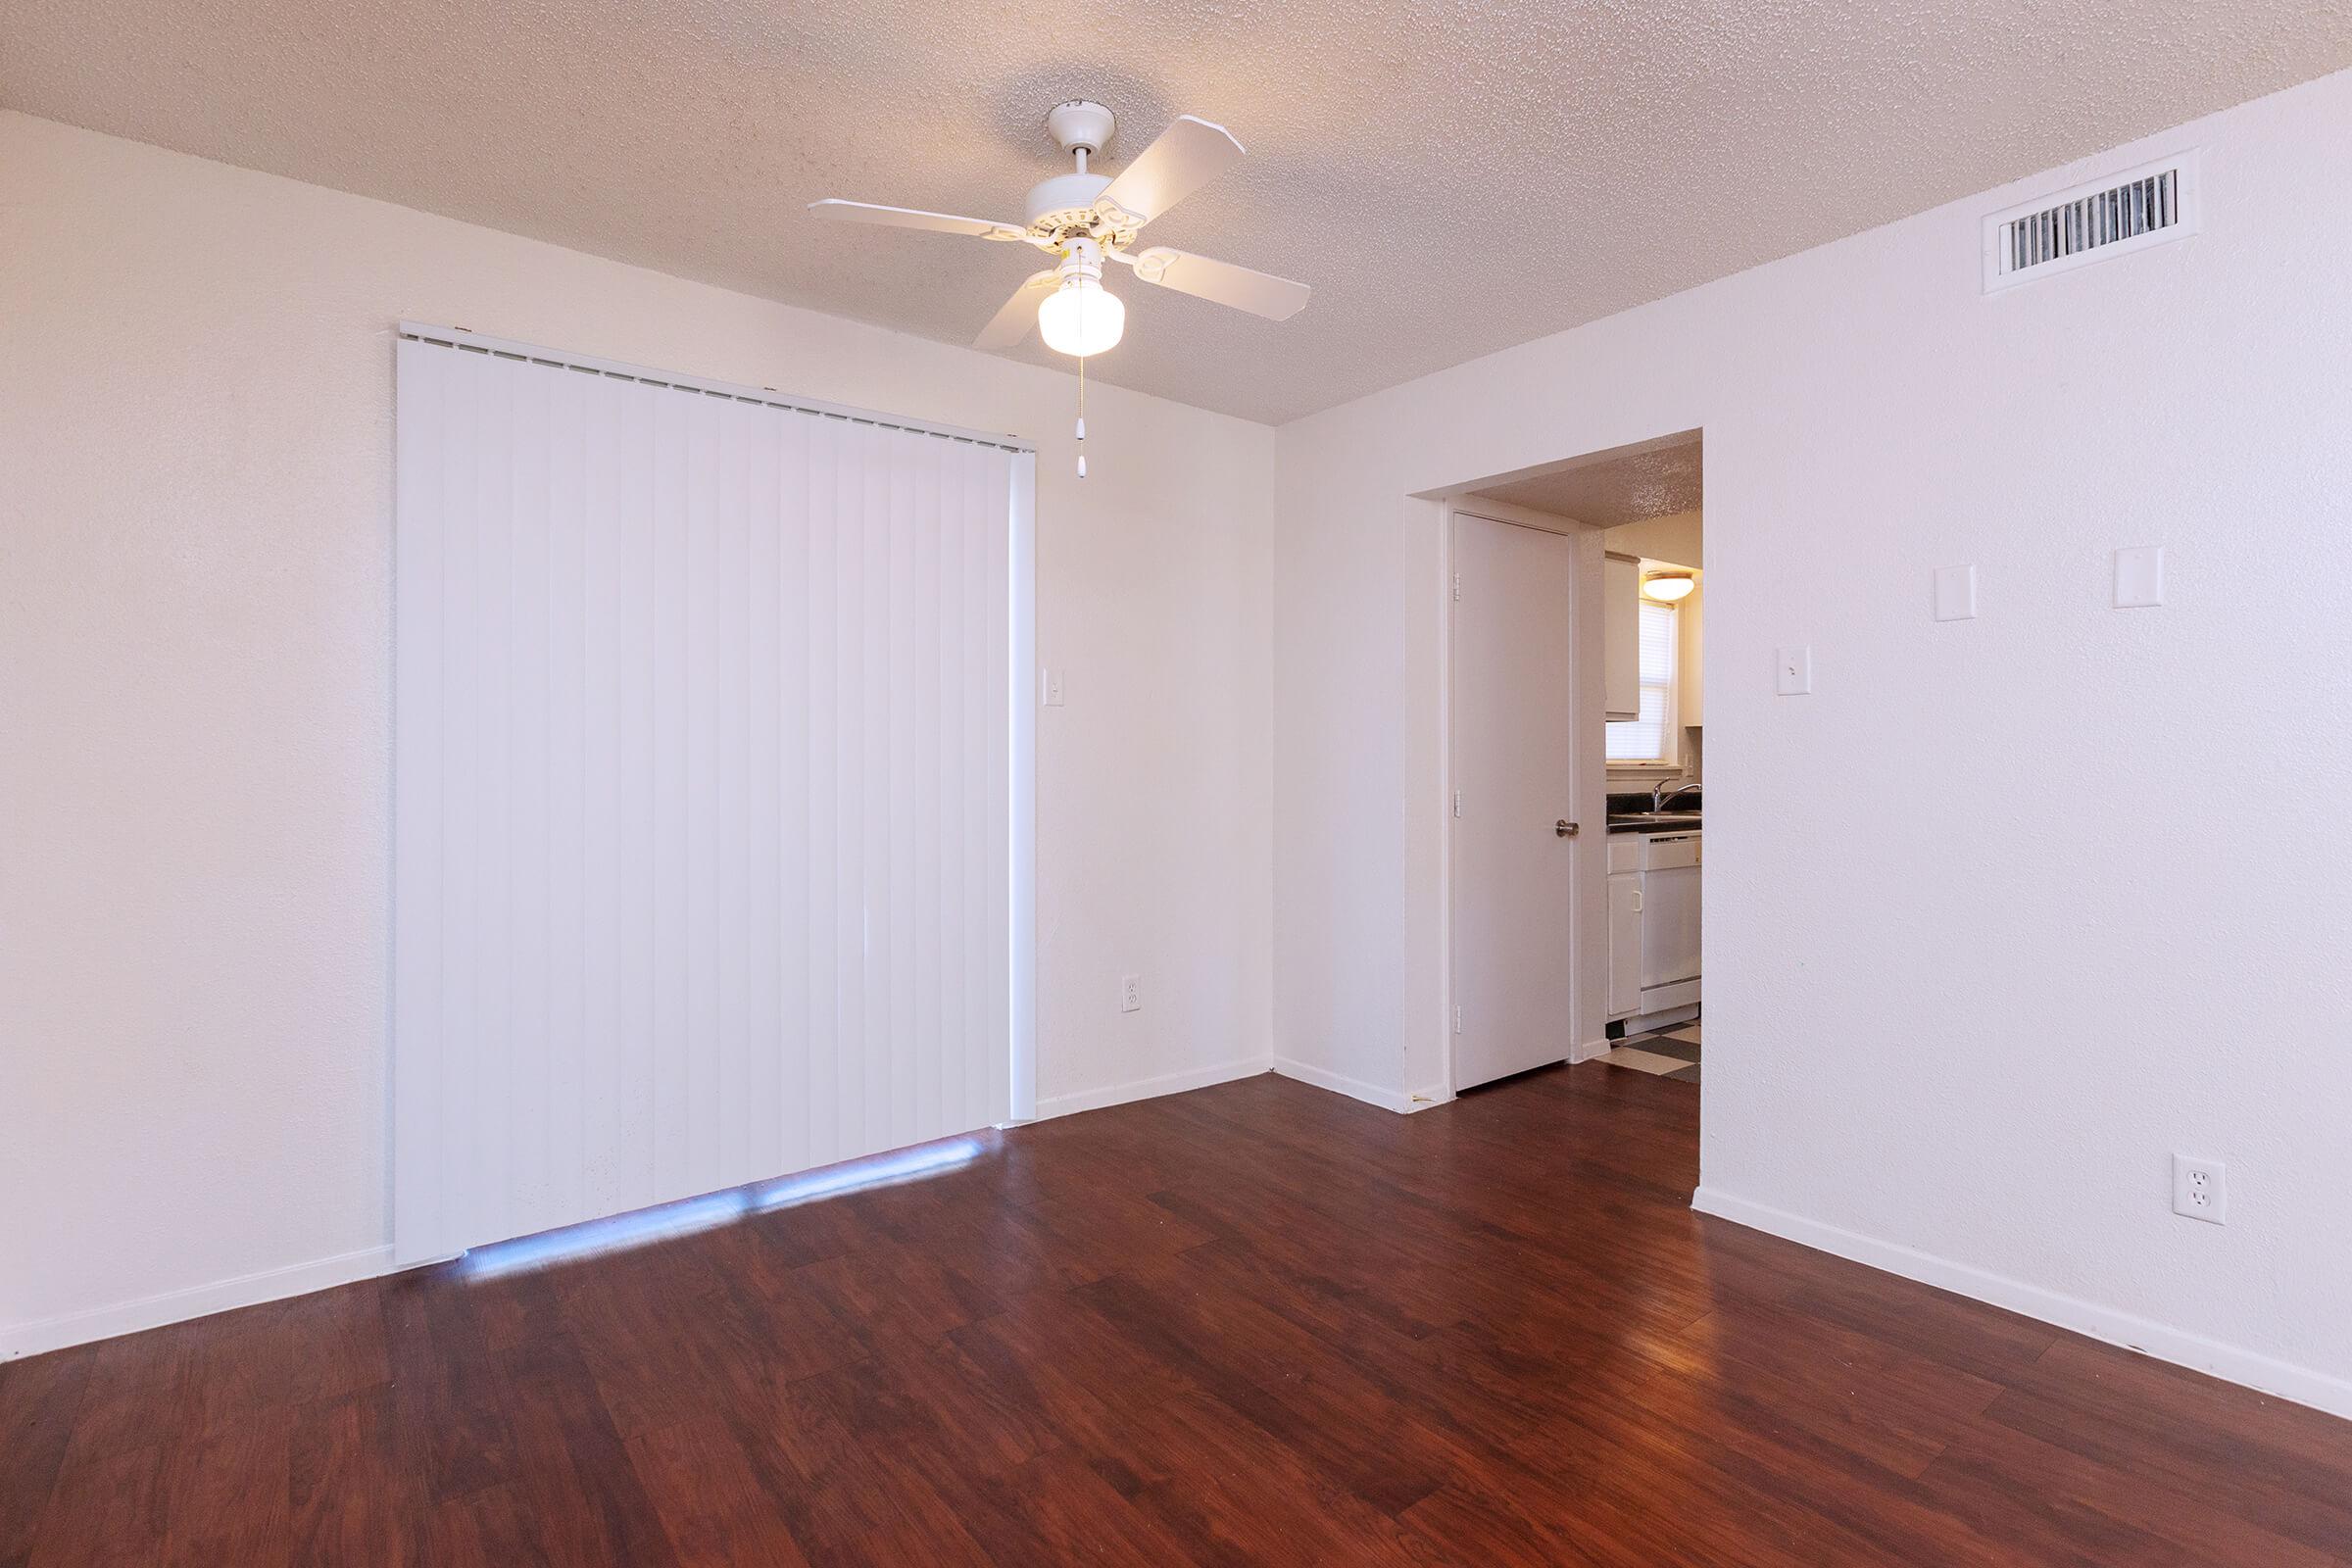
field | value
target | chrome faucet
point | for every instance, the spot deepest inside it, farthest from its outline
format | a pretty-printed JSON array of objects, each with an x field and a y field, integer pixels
[{"x": 1659, "y": 794}]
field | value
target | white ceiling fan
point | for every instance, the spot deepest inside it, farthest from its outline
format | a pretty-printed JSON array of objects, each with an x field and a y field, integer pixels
[{"x": 1087, "y": 219}]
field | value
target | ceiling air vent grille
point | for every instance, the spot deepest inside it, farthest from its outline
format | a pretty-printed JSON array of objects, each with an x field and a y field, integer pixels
[{"x": 2143, "y": 207}]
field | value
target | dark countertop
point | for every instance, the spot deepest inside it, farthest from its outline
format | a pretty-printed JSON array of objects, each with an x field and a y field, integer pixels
[{"x": 1655, "y": 823}]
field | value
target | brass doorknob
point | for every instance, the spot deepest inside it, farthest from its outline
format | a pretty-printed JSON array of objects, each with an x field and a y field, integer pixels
[{"x": 1563, "y": 829}]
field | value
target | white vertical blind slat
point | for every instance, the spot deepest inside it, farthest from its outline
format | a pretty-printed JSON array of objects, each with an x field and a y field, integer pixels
[
  {"x": 702, "y": 700},
  {"x": 611, "y": 661},
  {"x": 567, "y": 740},
  {"x": 638, "y": 910},
  {"x": 530, "y": 657},
  {"x": 872, "y": 894},
  {"x": 669, "y": 1050},
  {"x": 760, "y": 801},
  {"x": 702, "y": 861},
  {"x": 419, "y": 470}
]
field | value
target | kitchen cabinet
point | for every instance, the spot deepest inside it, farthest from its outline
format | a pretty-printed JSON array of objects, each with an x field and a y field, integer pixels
[
  {"x": 1624, "y": 944},
  {"x": 1621, "y": 636}
]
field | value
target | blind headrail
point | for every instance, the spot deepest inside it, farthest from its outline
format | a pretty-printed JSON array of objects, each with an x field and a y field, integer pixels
[{"x": 471, "y": 342}]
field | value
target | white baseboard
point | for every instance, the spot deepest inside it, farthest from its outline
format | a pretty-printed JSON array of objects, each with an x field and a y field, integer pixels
[
  {"x": 196, "y": 1300},
  {"x": 1592, "y": 1048},
  {"x": 1424, "y": 1099},
  {"x": 1173, "y": 1083},
  {"x": 1354, "y": 1087},
  {"x": 2302, "y": 1385}
]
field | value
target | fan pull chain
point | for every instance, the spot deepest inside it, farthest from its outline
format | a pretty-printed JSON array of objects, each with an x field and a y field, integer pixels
[{"x": 1082, "y": 416}]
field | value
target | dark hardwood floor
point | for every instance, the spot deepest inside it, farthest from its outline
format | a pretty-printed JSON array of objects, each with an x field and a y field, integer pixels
[{"x": 1252, "y": 1324}]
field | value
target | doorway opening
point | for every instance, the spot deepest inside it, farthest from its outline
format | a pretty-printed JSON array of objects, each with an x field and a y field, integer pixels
[{"x": 1574, "y": 715}]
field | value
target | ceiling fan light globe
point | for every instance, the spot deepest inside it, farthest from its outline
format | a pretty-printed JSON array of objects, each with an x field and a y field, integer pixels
[{"x": 1081, "y": 317}]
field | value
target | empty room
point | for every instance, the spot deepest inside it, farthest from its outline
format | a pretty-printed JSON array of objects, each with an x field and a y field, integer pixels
[{"x": 1265, "y": 783}]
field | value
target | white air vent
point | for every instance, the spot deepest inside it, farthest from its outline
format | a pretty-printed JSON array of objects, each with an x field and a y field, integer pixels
[{"x": 2143, "y": 207}]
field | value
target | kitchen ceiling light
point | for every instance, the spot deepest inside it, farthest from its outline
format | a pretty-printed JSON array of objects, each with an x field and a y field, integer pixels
[{"x": 1666, "y": 588}]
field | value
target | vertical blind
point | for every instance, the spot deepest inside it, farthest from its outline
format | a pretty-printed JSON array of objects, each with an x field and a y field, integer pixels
[{"x": 706, "y": 786}]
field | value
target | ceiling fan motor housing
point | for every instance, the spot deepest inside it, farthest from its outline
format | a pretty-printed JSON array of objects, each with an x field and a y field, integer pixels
[
  {"x": 1065, "y": 203},
  {"x": 1062, "y": 208}
]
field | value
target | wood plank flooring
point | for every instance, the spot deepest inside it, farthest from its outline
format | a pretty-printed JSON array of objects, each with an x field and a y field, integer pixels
[{"x": 1252, "y": 1324}]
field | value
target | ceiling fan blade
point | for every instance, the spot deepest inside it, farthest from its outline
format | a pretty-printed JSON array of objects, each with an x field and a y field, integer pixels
[
  {"x": 1277, "y": 299},
  {"x": 1188, "y": 155},
  {"x": 1013, "y": 323},
  {"x": 911, "y": 218}
]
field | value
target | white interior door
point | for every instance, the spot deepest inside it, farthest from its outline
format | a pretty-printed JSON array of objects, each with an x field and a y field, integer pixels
[{"x": 1513, "y": 765}]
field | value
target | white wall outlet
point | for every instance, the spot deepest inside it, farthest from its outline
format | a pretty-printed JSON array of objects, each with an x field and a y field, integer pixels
[
  {"x": 1793, "y": 674},
  {"x": 2201, "y": 1189},
  {"x": 2140, "y": 577},
  {"x": 1130, "y": 993},
  {"x": 1048, "y": 683},
  {"x": 1955, "y": 593}
]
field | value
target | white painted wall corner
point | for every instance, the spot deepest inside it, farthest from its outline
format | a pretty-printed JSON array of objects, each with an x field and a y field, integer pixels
[
  {"x": 1370, "y": 1093},
  {"x": 1174, "y": 1083}
]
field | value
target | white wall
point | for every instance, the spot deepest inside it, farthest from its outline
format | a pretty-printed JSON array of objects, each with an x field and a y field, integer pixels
[
  {"x": 1960, "y": 1035},
  {"x": 195, "y": 508}
]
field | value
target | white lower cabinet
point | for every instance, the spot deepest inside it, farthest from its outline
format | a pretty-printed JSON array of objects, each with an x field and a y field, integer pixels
[{"x": 1624, "y": 944}]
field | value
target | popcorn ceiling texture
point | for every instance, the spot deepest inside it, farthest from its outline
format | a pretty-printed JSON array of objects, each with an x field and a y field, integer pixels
[
  {"x": 1453, "y": 178},
  {"x": 1653, "y": 481}
]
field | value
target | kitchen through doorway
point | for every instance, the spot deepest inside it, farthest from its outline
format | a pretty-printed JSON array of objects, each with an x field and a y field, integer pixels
[{"x": 1575, "y": 741}]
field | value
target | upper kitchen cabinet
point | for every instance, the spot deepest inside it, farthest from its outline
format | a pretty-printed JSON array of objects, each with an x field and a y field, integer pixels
[{"x": 1621, "y": 636}]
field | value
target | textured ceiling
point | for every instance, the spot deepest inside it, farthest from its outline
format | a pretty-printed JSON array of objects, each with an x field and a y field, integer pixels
[
  {"x": 1453, "y": 177},
  {"x": 1608, "y": 490}
]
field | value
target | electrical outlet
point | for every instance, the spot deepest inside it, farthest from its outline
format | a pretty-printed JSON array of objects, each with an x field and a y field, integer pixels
[
  {"x": 2201, "y": 1190},
  {"x": 1130, "y": 993}
]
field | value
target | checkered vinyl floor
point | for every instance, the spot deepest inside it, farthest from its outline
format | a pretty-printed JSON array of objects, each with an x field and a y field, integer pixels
[{"x": 1668, "y": 1053}]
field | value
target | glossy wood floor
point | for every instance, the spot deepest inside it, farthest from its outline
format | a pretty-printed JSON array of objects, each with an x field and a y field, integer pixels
[{"x": 1255, "y": 1324}]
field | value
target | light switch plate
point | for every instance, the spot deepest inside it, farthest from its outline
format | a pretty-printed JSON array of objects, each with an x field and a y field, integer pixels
[
  {"x": 1955, "y": 593},
  {"x": 1049, "y": 687},
  {"x": 2140, "y": 577},
  {"x": 1792, "y": 675}
]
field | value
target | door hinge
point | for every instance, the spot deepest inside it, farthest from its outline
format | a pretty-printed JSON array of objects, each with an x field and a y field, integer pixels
[
  {"x": 1457, "y": 1020},
  {"x": 1458, "y": 803},
  {"x": 1457, "y": 587}
]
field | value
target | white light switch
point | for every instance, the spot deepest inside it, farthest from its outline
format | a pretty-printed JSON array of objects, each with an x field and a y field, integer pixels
[
  {"x": 2140, "y": 577},
  {"x": 1793, "y": 675},
  {"x": 1955, "y": 593},
  {"x": 1050, "y": 684}
]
